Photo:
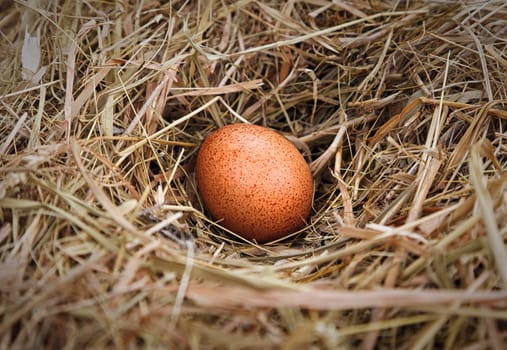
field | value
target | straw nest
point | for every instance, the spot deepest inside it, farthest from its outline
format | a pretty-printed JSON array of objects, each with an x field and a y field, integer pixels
[{"x": 399, "y": 107}]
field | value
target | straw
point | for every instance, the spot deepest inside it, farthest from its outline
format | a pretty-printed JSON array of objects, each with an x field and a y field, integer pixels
[{"x": 399, "y": 108}]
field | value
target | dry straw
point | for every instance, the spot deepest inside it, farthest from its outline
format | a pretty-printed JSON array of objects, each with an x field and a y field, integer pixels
[{"x": 398, "y": 106}]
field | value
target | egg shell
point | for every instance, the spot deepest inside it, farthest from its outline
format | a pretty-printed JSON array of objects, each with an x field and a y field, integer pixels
[{"x": 254, "y": 182}]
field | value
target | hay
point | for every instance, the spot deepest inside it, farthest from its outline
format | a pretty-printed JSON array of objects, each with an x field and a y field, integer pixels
[{"x": 400, "y": 108}]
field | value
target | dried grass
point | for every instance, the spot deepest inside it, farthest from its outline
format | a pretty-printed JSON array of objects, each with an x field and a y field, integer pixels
[{"x": 400, "y": 107}]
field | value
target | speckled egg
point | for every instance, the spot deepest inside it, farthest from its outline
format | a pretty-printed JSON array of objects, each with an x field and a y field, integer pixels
[{"x": 254, "y": 182}]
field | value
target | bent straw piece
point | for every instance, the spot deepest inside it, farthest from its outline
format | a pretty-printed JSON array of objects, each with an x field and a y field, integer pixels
[
  {"x": 485, "y": 206},
  {"x": 111, "y": 209}
]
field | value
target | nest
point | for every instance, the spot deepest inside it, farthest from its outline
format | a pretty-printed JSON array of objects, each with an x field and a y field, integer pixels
[{"x": 398, "y": 106}]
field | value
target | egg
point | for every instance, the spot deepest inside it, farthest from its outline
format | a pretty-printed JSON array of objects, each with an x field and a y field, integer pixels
[{"x": 254, "y": 182}]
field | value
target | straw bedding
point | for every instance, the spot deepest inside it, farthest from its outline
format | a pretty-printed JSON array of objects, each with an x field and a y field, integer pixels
[{"x": 398, "y": 106}]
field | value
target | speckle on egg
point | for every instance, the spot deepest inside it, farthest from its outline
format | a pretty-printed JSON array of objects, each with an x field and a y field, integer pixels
[{"x": 254, "y": 182}]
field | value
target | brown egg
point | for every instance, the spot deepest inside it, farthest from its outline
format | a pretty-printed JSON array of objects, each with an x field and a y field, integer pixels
[{"x": 254, "y": 182}]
